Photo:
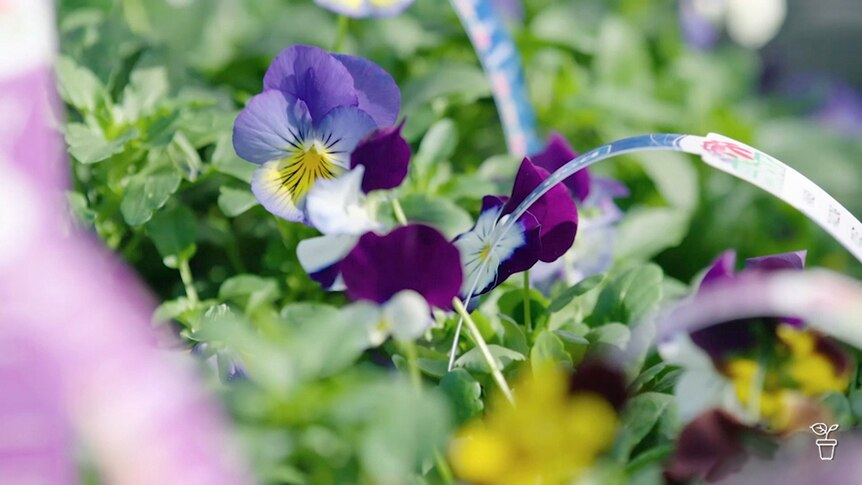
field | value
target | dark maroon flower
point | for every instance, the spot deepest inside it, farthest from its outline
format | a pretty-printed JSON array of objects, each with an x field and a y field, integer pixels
[
  {"x": 557, "y": 153},
  {"x": 414, "y": 257},
  {"x": 600, "y": 378},
  {"x": 709, "y": 448},
  {"x": 385, "y": 154},
  {"x": 493, "y": 250}
]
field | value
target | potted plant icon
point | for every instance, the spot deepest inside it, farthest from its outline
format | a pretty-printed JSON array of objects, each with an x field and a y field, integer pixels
[{"x": 825, "y": 445}]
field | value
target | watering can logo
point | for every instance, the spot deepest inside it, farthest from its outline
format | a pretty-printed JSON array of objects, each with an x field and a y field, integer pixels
[{"x": 825, "y": 445}]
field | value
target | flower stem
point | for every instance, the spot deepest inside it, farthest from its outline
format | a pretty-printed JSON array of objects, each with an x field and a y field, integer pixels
[
  {"x": 409, "y": 349},
  {"x": 188, "y": 281},
  {"x": 528, "y": 317},
  {"x": 443, "y": 468},
  {"x": 399, "y": 212},
  {"x": 496, "y": 373},
  {"x": 341, "y": 33}
]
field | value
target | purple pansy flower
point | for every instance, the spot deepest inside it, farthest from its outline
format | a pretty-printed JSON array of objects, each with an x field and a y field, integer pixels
[
  {"x": 720, "y": 340},
  {"x": 397, "y": 278},
  {"x": 546, "y": 231},
  {"x": 414, "y": 257},
  {"x": 365, "y": 8},
  {"x": 315, "y": 110},
  {"x": 592, "y": 253}
]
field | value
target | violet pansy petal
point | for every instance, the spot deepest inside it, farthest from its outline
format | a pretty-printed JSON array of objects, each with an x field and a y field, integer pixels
[
  {"x": 557, "y": 153},
  {"x": 270, "y": 126},
  {"x": 794, "y": 260},
  {"x": 314, "y": 76},
  {"x": 414, "y": 257},
  {"x": 555, "y": 211},
  {"x": 385, "y": 154},
  {"x": 722, "y": 268},
  {"x": 341, "y": 131},
  {"x": 377, "y": 93},
  {"x": 320, "y": 258},
  {"x": 337, "y": 206}
]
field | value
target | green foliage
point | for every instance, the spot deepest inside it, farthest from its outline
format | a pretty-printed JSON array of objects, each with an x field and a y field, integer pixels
[{"x": 152, "y": 89}]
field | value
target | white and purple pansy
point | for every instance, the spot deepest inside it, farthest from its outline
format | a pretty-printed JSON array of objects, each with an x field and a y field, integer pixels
[
  {"x": 316, "y": 109},
  {"x": 365, "y": 8},
  {"x": 493, "y": 250},
  {"x": 403, "y": 274},
  {"x": 598, "y": 214}
]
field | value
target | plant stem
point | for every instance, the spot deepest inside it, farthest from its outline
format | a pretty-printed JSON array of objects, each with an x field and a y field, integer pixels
[
  {"x": 443, "y": 468},
  {"x": 496, "y": 373},
  {"x": 341, "y": 33},
  {"x": 409, "y": 349},
  {"x": 399, "y": 212},
  {"x": 188, "y": 281},
  {"x": 528, "y": 317}
]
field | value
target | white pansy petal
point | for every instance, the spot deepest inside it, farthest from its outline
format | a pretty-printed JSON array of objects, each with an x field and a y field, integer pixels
[
  {"x": 318, "y": 255},
  {"x": 408, "y": 315},
  {"x": 367, "y": 315},
  {"x": 338, "y": 206},
  {"x": 267, "y": 186}
]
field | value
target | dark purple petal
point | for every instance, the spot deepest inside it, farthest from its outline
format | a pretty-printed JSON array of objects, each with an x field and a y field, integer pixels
[
  {"x": 314, "y": 76},
  {"x": 265, "y": 129},
  {"x": 327, "y": 277},
  {"x": 721, "y": 269},
  {"x": 602, "y": 379},
  {"x": 377, "y": 92},
  {"x": 709, "y": 448},
  {"x": 834, "y": 353},
  {"x": 385, "y": 154},
  {"x": 414, "y": 257},
  {"x": 557, "y": 153},
  {"x": 725, "y": 339},
  {"x": 793, "y": 260},
  {"x": 555, "y": 211}
]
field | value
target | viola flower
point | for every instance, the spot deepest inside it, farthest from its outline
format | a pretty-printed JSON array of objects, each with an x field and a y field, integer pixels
[
  {"x": 592, "y": 252},
  {"x": 709, "y": 448},
  {"x": 365, "y": 8},
  {"x": 403, "y": 274},
  {"x": 765, "y": 370},
  {"x": 315, "y": 110},
  {"x": 557, "y": 427},
  {"x": 544, "y": 233}
]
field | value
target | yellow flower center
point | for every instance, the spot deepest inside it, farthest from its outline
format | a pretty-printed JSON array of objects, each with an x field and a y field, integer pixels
[
  {"x": 298, "y": 172},
  {"x": 485, "y": 252}
]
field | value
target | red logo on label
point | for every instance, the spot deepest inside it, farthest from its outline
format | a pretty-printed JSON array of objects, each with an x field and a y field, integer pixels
[{"x": 727, "y": 149}]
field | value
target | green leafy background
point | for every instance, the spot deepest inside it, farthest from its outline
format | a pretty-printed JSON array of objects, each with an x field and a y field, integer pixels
[{"x": 152, "y": 89}]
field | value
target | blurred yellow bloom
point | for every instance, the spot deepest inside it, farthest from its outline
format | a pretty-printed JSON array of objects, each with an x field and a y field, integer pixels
[{"x": 546, "y": 438}]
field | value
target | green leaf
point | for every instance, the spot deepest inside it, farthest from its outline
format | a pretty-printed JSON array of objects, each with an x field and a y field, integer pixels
[
  {"x": 79, "y": 86},
  {"x": 629, "y": 296},
  {"x": 549, "y": 349},
  {"x": 513, "y": 335},
  {"x": 437, "y": 145},
  {"x": 464, "y": 394},
  {"x": 301, "y": 313},
  {"x": 438, "y": 212},
  {"x": 611, "y": 335},
  {"x": 226, "y": 161},
  {"x": 79, "y": 209},
  {"x": 674, "y": 175},
  {"x": 174, "y": 232},
  {"x": 473, "y": 361},
  {"x": 250, "y": 291},
  {"x": 147, "y": 193},
  {"x": 89, "y": 145},
  {"x": 511, "y": 303},
  {"x": 147, "y": 86},
  {"x": 184, "y": 156},
  {"x": 575, "y": 291},
  {"x": 647, "y": 231},
  {"x": 640, "y": 416},
  {"x": 463, "y": 82},
  {"x": 235, "y": 201}
]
